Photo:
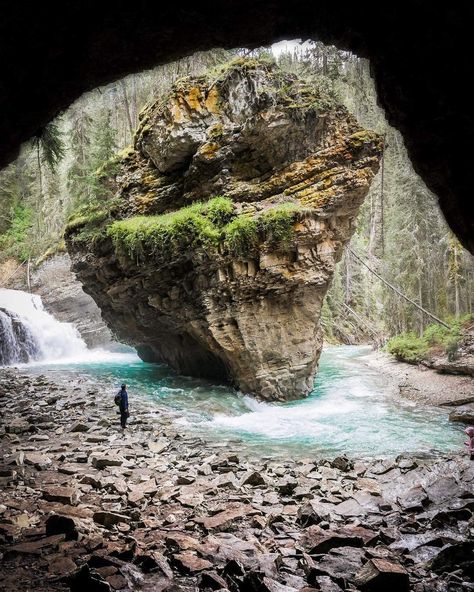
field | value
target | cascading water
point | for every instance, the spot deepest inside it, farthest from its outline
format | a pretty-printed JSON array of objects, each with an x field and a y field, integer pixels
[{"x": 28, "y": 332}]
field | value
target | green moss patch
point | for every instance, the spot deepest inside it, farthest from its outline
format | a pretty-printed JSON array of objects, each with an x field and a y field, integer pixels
[
  {"x": 88, "y": 223},
  {"x": 205, "y": 225}
]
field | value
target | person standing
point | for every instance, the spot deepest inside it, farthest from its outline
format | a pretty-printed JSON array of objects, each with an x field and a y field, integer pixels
[{"x": 123, "y": 405}]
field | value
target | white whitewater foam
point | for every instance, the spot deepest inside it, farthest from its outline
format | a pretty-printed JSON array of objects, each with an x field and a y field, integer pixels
[{"x": 54, "y": 340}]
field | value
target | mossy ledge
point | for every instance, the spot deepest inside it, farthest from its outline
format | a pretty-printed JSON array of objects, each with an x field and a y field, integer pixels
[
  {"x": 215, "y": 239},
  {"x": 211, "y": 226}
]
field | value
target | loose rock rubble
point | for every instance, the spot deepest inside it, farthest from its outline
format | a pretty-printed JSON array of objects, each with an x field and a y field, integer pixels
[{"x": 155, "y": 509}]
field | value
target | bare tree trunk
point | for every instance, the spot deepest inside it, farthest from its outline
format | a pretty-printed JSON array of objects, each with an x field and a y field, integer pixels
[
  {"x": 28, "y": 281},
  {"x": 39, "y": 199},
  {"x": 127, "y": 108},
  {"x": 377, "y": 230},
  {"x": 348, "y": 282},
  {"x": 457, "y": 305}
]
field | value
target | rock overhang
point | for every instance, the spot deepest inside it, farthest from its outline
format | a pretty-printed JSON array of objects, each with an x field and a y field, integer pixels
[{"x": 219, "y": 231}]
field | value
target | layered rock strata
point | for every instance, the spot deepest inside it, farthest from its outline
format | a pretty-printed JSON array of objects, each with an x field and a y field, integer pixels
[{"x": 217, "y": 234}]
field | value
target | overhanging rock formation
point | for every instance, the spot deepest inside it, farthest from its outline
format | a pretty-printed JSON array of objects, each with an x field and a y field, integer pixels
[{"x": 216, "y": 236}]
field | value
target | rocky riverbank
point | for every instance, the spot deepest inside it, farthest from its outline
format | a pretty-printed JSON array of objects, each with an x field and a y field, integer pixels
[
  {"x": 85, "y": 507},
  {"x": 427, "y": 385}
]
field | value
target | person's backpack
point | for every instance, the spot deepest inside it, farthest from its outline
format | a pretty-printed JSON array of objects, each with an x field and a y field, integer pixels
[{"x": 118, "y": 399}]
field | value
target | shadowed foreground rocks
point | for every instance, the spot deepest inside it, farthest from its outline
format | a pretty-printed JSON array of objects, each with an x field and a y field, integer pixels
[
  {"x": 155, "y": 509},
  {"x": 233, "y": 288}
]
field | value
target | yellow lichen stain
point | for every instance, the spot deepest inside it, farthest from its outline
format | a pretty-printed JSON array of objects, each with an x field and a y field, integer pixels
[
  {"x": 142, "y": 202},
  {"x": 211, "y": 100},
  {"x": 193, "y": 98},
  {"x": 362, "y": 137},
  {"x": 126, "y": 153},
  {"x": 150, "y": 181},
  {"x": 176, "y": 111},
  {"x": 208, "y": 150}
]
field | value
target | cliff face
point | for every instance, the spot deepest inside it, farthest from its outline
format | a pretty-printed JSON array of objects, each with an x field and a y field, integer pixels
[
  {"x": 218, "y": 233},
  {"x": 63, "y": 297}
]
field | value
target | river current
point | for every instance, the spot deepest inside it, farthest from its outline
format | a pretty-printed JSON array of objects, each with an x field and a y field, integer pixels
[{"x": 352, "y": 410}]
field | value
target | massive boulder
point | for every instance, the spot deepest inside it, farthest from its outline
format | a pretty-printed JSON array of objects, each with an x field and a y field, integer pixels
[{"x": 216, "y": 235}]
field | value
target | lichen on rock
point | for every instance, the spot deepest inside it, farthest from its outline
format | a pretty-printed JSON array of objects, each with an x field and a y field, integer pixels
[{"x": 229, "y": 215}]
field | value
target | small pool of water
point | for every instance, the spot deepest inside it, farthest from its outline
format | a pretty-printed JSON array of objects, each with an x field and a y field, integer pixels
[{"x": 351, "y": 410}]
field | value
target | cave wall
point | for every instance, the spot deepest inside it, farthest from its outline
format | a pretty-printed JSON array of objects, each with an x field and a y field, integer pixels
[{"x": 419, "y": 54}]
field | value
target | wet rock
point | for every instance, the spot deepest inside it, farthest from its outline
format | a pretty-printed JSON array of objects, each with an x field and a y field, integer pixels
[
  {"x": 253, "y": 478},
  {"x": 153, "y": 561},
  {"x": 413, "y": 499},
  {"x": 307, "y": 515},
  {"x": 101, "y": 462},
  {"x": 316, "y": 540},
  {"x": 88, "y": 579},
  {"x": 463, "y": 414},
  {"x": 57, "y": 524},
  {"x": 60, "y": 565},
  {"x": 62, "y": 495},
  {"x": 79, "y": 427},
  {"x": 210, "y": 580},
  {"x": 454, "y": 557},
  {"x": 341, "y": 565},
  {"x": 188, "y": 562},
  {"x": 217, "y": 314},
  {"x": 36, "y": 547},
  {"x": 108, "y": 519}
]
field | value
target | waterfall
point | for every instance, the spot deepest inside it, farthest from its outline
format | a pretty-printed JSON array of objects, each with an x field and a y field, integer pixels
[{"x": 28, "y": 332}]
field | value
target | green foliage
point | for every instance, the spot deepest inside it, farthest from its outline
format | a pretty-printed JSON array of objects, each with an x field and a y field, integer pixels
[
  {"x": 14, "y": 242},
  {"x": 102, "y": 162},
  {"x": 220, "y": 210},
  {"x": 276, "y": 223},
  {"x": 241, "y": 235},
  {"x": 436, "y": 334},
  {"x": 87, "y": 224},
  {"x": 408, "y": 347},
  {"x": 204, "y": 225},
  {"x": 451, "y": 348},
  {"x": 51, "y": 144},
  {"x": 169, "y": 233},
  {"x": 274, "y": 226}
]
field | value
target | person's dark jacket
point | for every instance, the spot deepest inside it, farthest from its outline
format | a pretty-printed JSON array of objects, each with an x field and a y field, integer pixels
[{"x": 123, "y": 400}]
